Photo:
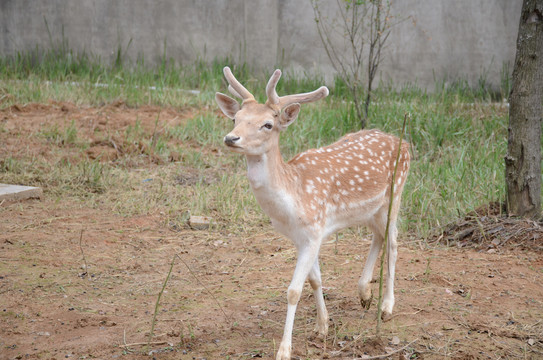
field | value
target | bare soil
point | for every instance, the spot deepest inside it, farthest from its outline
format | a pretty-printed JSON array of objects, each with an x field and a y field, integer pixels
[{"x": 82, "y": 282}]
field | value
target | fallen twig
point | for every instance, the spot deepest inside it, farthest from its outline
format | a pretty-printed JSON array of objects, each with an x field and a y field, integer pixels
[
  {"x": 158, "y": 301},
  {"x": 405, "y": 314},
  {"x": 145, "y": 343},
  {"x": 205, "y": 287},
  {"x": 83, "y": 254},
  {"x": 384, "y": 356}
]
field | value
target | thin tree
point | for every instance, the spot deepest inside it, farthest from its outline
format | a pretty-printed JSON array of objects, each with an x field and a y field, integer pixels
[
  {"x": 354, "y": 42},
  {"x": 523, "y": 159}
]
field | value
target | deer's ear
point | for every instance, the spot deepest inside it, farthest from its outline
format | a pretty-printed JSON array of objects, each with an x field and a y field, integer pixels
[
  {"x": 228, "y": 105},
  {"x": 289, "y": 114}
]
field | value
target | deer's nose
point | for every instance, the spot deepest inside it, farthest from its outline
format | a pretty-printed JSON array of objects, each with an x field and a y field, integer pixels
[{"x": 231, "y": 140}]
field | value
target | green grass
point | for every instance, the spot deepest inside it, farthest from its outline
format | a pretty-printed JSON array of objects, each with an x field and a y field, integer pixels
[
  {"x": 58, "y": 137},
  {"x": 458, "y": 138},
  {"x": 81, "y": 179}
]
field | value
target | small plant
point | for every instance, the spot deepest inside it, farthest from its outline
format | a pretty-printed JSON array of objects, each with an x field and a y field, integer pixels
[
  {"x": 52, "y": 134},
  {"x": 505, "y": 83},
  {"x": 70, "y": 134},
  {"x": 90, "y": 176},
  {"x": 365, "y": 26},
  {"x": 428, "y": 270},
  {"x": 157, "y": 304},
  {"x": 10, "y": 165},
  {"x": 60, "y": 138}
]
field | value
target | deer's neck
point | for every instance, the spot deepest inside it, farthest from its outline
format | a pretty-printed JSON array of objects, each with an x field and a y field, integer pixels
[
  {"x": 272, "y": 181},
  {"x": 267, "y": 171}
]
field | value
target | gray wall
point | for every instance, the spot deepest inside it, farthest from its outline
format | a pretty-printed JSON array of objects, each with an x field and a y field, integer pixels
[{"x": 441, "y": 39}]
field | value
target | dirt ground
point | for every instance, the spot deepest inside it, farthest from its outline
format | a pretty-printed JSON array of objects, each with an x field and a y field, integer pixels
[{"x": 82, "y": 282}]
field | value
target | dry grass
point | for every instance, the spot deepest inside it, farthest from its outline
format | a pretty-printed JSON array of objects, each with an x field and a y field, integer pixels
[{"x": 489, "y": 228}]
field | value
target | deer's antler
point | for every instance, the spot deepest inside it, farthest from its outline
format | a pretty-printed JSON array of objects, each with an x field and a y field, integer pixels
[
  {"x": 235, "y": 86},
  {"x": 283, "y": 101}
]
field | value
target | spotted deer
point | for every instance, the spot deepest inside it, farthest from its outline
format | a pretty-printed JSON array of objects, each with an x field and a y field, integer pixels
[{"x": 319, "y": 191}]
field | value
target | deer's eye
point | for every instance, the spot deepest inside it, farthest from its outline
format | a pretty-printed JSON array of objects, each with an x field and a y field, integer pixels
[{"x": 268, "y": 126}]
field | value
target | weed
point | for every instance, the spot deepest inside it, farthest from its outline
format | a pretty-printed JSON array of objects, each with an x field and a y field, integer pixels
[
  {"x": 428, "y": 270},
  {"x": 70, "y": 134},
  {"x": 10, "y": 165},
  {"x": 153, "y": 322},
  {"x": 52, "y": 134}
]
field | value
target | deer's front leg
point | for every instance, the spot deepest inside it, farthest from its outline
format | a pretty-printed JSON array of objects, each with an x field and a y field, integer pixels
[{"x": 306, "y": 259}]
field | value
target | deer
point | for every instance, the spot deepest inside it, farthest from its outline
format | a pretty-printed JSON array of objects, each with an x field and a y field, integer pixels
[{"x": 319, "y": 191}]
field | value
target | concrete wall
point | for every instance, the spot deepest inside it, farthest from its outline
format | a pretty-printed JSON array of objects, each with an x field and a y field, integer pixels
[{"x": 442, "y": 38}]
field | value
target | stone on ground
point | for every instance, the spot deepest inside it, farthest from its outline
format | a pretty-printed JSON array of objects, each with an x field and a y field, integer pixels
[{"x": 16, "y": 192}]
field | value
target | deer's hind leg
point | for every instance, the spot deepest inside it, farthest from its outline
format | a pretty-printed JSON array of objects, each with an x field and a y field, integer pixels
[
  {"x": 321, "y": 326},
  {"x": 378, "y": 227},
  {"x": 364, "y": 287},
  {"x": 392, "y": 256}
]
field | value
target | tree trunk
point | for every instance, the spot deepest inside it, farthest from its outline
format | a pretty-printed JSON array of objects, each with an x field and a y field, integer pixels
[{"x": 523, "y": 159}]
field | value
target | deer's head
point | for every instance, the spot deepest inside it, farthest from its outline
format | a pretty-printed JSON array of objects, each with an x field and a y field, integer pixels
[{"x": 257, "y": 126}]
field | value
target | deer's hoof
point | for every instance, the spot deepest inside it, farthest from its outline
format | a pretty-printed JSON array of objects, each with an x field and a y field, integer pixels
[
  {"x": 283, "y": 353},
  {"x": 386, "y": 316},
  {"x": 321, "y": 330},
  {"x": 366, "y": 303}
]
